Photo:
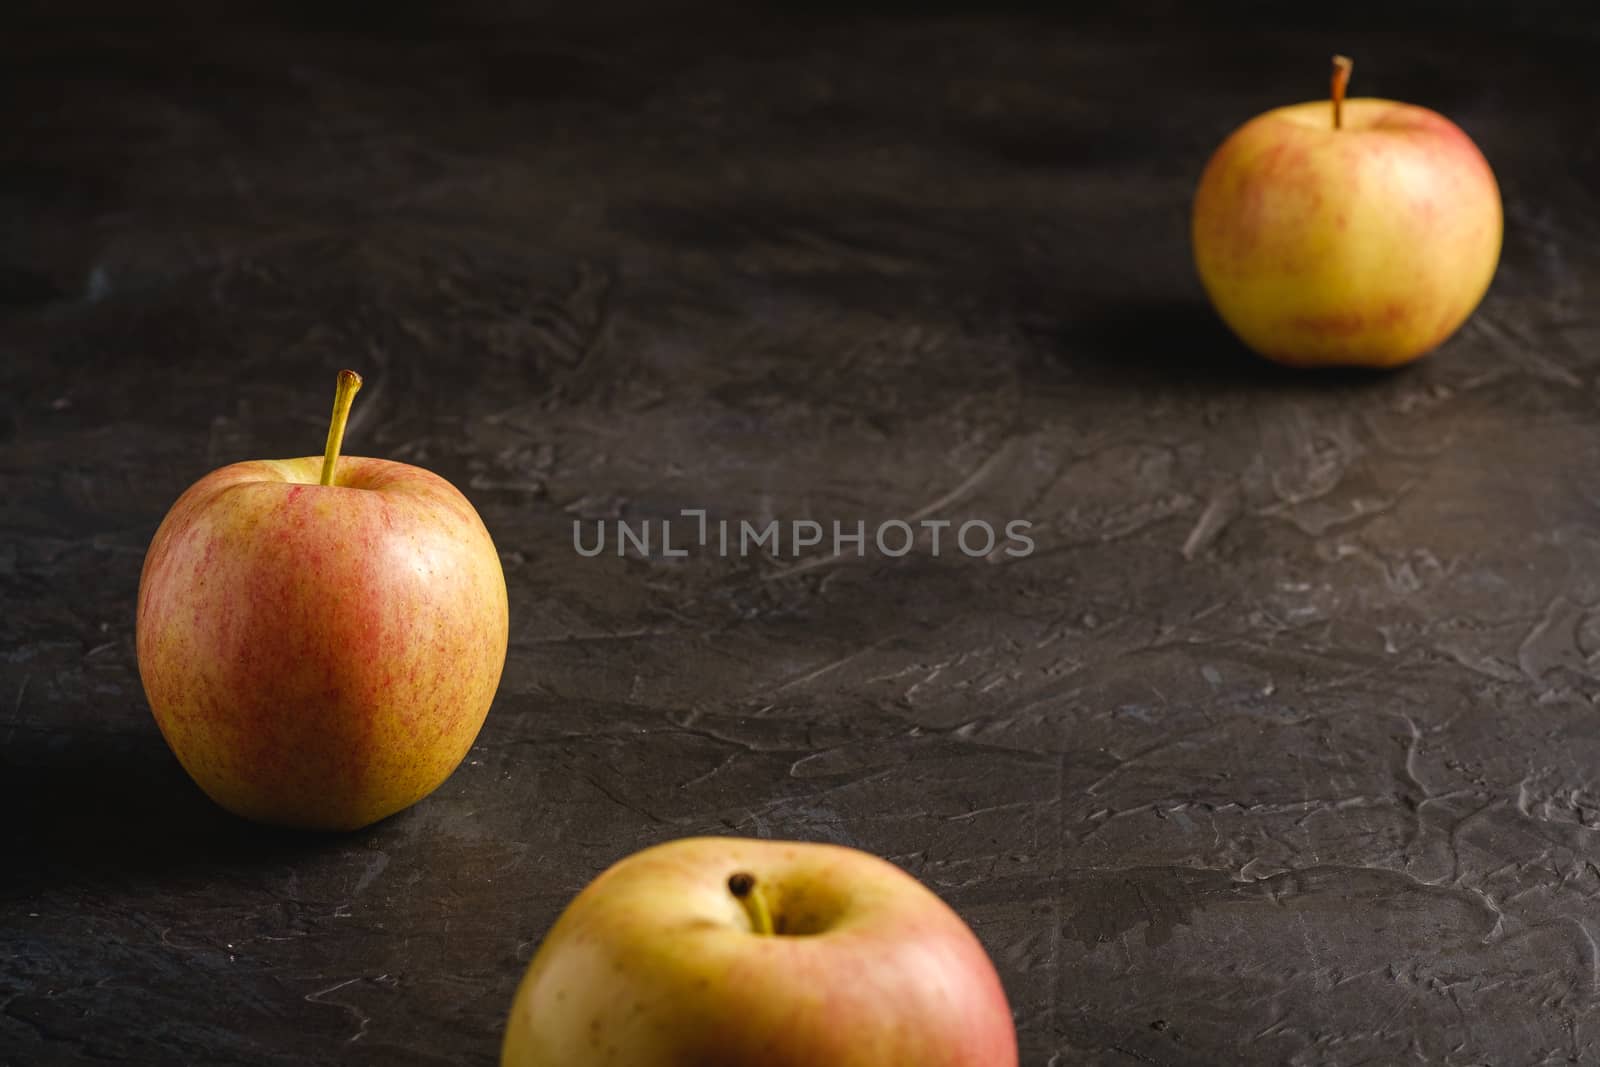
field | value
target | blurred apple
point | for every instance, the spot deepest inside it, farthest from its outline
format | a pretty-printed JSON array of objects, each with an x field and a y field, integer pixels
[
  {"x": 320, "y": 638},
  {"x": 1356, "y": 231},
  {"x": 726, "y": 952}
]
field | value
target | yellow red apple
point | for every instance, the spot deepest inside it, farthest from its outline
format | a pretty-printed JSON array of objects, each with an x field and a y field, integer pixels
[
  {"x": 1357, "y": 232},
  {"x": 728, "y": 952},
  {"x": 320, "y": 638}
]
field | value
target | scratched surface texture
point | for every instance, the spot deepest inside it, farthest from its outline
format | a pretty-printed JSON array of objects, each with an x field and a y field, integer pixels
[{"x": 1281, "y": 748}]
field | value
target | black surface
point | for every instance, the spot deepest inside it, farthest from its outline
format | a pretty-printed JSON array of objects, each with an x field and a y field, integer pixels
[{"x": 1281, "y": 748}]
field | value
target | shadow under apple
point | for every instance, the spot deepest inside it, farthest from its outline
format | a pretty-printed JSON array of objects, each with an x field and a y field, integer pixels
[
  {"x": 117, "y": 807},
  {"x": 1167, "y": 342}
]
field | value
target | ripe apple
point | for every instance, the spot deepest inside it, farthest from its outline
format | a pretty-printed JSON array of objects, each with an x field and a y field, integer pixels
[
  {"x": 1363, "y": 233},
  {"x": 728, "y": 952},
  {"x": 320, "y": 638}
]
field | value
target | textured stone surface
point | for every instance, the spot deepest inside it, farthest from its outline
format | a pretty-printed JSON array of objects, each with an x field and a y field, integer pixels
[{"x": 1280, "y": 749}]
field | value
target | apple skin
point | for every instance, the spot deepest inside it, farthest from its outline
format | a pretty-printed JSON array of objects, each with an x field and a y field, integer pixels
[
  {"x": 656, "y": 964},
  {"x": 321, "y": 656},
  {"x": 1365, "y": 245}
]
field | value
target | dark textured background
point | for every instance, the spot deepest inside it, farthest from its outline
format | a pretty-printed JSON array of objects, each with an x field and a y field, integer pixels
[{"x": 1281, "y": 749}]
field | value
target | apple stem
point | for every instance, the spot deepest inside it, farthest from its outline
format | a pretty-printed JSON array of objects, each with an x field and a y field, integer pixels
[
  {"x": 1341, "y": 79},
  {"x": 744, "y": 888},
  {"x": 343, "y": 394}
]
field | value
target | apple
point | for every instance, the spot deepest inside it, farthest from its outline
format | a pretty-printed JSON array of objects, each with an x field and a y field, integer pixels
[
  {"x": 1362, "y": 234},
  {"x": 729, "y": 952},
  {"x": 320, "y": 638}
]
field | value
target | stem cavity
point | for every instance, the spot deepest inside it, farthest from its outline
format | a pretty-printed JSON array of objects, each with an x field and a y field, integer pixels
[
  {"x": 343, "y": 394},
  {"x": 1341, "y": 79}
]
